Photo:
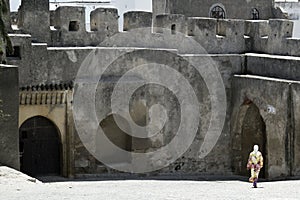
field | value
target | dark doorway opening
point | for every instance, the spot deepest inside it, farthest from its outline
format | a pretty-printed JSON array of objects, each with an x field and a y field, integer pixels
[
  {"x": 40, "y": 147},
  {"x": 173, "y": 29},
  {"x": 253, "y": 132}
]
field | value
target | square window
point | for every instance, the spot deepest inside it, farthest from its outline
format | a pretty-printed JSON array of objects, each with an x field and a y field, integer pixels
[{"x": 73, "y": 26}]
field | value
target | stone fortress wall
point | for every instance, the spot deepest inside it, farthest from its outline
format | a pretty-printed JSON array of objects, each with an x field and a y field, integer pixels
[{"x": 258, "y": 61}]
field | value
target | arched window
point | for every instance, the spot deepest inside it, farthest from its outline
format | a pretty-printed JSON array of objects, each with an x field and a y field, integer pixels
[
  {"x": 255, "y": 14},
  {"x": 217, "y": 12}
]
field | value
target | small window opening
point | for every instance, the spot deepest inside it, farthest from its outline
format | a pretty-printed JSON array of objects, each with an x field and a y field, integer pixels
[
  {"x": 74, "y": 26},
  {"x": 255, "y": 14},
  {"x": 173, "y": 29},
  {"x": 15, "y": 54},
  {"x": 217, "y": 12}
]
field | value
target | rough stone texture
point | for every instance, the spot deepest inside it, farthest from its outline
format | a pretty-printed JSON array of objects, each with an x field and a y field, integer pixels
[
  {"x": 278, "y": 39},
  {"x": 255, "y": 29},
  {"x": 171, "y": 23},
  {"x": 231, "y": 31},
  {"x": 133, "y": 20},
  {"x": 70, "y": 23},
  {"x": 34, "y": 18},
  {"x": 105, "y": 21},
  {"x": 295, "y": 136},
  {"x": 9, "y": 134},
  {"x": 66, "y": 14}
]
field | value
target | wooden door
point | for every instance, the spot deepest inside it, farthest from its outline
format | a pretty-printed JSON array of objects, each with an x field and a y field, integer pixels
[{"x": 40, "y": 147}]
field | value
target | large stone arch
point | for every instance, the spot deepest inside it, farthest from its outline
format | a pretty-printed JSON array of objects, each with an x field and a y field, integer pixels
[{"x": 249, "y": 128}]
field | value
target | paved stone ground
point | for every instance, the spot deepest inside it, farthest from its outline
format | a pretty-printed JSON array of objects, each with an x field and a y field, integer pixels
[{"x": 15, "y": 186}]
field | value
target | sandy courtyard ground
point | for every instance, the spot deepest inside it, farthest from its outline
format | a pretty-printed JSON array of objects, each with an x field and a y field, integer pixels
[{"x": 17, "y": 186}]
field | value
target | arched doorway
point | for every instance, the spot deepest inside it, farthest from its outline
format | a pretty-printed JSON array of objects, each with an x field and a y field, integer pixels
[
  {"x": 40, "y": 147},
  {"x": 253, "y": 132}
]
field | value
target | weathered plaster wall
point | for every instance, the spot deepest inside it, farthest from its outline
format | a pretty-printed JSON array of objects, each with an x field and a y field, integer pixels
[{"x": 9, "y": 133}]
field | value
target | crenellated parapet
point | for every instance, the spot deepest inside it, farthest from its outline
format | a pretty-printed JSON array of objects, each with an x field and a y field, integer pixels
[
  {"x": 66, "y": 27},
  {"x": 272, "y": 36},
  {"x": 105, "y": 20},
  {"x": 171, "y": 23},
  {"x": 216, "y": 36},
  {"x": 69, "y": 26},
  {"x": 70, "y": 18}
]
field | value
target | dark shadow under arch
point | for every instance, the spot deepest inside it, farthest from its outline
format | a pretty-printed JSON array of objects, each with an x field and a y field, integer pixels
[
  {"x": 253, "y": 132},
  {"x": 40, "y": 147},
  {"x": 250, "y": 129}
]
